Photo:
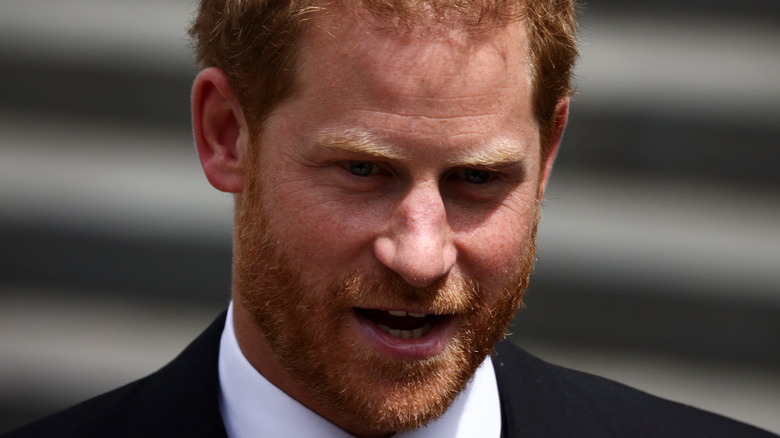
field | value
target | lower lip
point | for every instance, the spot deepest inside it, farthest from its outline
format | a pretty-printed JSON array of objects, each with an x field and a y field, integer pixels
[{"x": 432, "y": 344}]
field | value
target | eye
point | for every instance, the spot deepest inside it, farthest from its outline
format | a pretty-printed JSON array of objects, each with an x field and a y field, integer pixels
[
  {"x": 360, "y": 168},
  {"x": 477, "y": 176},
  {"x": 469, "y": 184}
]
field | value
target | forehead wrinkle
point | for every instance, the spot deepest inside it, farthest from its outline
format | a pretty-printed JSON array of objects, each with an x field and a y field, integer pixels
[{"x": 418, "y": 115}]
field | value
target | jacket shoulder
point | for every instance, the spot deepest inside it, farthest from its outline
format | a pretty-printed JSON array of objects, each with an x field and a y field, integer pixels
[
  {"x": 99, "y": 416},
  {"x": 181, "y": 399},
  {"x": 544, "y": 400}
]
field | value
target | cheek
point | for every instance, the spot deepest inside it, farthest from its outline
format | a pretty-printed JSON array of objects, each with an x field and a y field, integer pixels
[
  {"x": 498, "y": 247},
  {"x": 316, "y": 227}
]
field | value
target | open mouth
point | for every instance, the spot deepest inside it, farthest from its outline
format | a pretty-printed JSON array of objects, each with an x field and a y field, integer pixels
[{"x": 401, "y": 324}]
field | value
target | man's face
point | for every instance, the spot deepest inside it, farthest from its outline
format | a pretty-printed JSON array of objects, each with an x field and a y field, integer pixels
[{"x": 386, "y": 232}]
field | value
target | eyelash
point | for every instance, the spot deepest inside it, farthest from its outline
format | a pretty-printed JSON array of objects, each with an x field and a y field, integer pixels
[
  {"x": 487, "y": 174},
  {"x": 470, "y": 175},
  {"x": 372, "y": 167}
]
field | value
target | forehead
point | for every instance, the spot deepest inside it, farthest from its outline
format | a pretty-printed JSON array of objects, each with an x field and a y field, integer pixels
[{"x": 388, "y": 59}]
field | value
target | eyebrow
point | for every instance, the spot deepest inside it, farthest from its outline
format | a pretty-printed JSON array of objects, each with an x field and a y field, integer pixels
[
  {"x": 498, "y": 154},
  {"x": 355, "y": 141}
]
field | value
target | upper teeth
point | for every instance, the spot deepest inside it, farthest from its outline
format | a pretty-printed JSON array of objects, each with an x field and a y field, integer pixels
[{"x": 402, "y": 313}]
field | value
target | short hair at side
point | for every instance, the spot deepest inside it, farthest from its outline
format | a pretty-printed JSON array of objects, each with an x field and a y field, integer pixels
[{"x": 255, "y": 42}]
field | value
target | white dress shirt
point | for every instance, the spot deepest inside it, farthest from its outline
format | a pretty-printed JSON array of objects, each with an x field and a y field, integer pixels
[{"x": 251, "y": 406}]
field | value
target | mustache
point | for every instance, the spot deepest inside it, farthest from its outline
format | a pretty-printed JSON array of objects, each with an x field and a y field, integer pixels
[{"x": 451, "y": 294}]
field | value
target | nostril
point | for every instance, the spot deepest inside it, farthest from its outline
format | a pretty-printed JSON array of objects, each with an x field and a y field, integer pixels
[{"x": 384, "y": 251}]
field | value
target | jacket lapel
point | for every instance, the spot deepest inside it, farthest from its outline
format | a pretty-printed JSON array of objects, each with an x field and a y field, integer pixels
[{"x": 182, "y": 398}]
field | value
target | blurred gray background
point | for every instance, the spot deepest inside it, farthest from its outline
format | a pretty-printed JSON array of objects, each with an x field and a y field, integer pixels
[{"x": 659, "y": 261}]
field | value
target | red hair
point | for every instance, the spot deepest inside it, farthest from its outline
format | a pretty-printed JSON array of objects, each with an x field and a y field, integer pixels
[{"x": 255, "y": 43}]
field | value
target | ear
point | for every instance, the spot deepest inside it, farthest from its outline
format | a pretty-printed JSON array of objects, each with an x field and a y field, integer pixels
[
  {"x": 220, "y": 130},
  {"x": 561, "y": 117}
]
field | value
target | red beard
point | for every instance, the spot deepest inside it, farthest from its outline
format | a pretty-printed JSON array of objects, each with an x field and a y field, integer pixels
[{"x": 309, "y": 332}]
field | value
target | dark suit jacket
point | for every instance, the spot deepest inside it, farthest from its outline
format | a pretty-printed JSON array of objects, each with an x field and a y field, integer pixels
[{"x": 537, "y": 400}]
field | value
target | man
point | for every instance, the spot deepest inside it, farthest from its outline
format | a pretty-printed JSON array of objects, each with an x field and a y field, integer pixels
[{"x": 388, "y": 159}]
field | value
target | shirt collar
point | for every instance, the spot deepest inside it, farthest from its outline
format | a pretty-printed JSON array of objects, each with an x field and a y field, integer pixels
[{"x": 252, "y": 406}]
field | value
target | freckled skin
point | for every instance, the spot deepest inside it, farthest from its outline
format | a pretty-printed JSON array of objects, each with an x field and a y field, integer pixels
[
  {"x": 431, "y": 97},
  {"x": 428, "y": 97}
]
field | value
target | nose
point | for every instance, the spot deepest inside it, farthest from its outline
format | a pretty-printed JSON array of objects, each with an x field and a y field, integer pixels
[{"x": 418, "y": 244}]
